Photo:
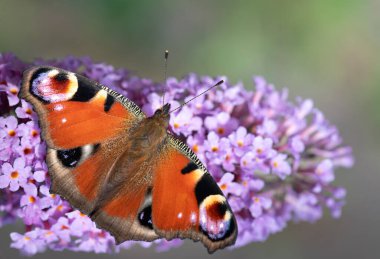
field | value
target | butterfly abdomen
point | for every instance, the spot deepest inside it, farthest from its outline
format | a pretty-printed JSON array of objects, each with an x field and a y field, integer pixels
[{"x": 144, "y": 141}]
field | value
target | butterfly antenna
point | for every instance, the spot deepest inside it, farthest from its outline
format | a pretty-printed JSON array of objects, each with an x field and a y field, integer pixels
[
  {"x": 219, "y": 83},
  {"x": 166, "y": 68}
]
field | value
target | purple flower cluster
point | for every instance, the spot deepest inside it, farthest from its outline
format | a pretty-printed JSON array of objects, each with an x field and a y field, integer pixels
[{"x": 273, "y": 159}]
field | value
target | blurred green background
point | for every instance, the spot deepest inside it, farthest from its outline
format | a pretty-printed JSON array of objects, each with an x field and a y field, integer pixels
[{"x": 326, "y": 50}]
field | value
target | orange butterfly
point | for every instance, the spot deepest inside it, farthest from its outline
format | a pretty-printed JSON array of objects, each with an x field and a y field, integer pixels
[{"x": 123, "y": 169}]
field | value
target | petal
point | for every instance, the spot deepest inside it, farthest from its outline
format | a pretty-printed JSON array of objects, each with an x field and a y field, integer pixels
[
  {"x": 241, "y": 132},
  {"x": 24, "y": 200},
  {"x": 255, "y": 209},
  {"x": 13, "y": 100},
  {"x": 14, "y": 186},
  {"x": 305, "y": 108},
  {"x": 30, "y": 248},
  {"x": 7, "y": 168},
  {"x": 19, "y": 163},
  {"x": 266, "y": 203},
  {"x": 212, "y": 137},
  {"x": 26, "y": 171},
  {"x": 258, "y": 141},
  {"x": 15, "y": 236},
  {"x": 39, "y": 176},
  {"x": 256, "y": 184},
  {"x": 4, "y": 181},
  {"x": 196, "y": 123},
  {"x": 30, "y": 189},
  {"x": 235, "y": 188},
  {"x": 12, "y": 122},
  {"x": 21, "y": 113},
  {"x": 45, "y": 202},
  {"x": 44, "y": 190},
  {"x": 227, "y": 178},
  {"x": 268, "y": 143},
  {"x": 211, "y": 122},
  {"x": 223, "y": 117}
]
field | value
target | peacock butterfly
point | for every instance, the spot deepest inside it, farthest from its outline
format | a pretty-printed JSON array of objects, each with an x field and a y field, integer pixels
[{"x": 124, "y": 169}]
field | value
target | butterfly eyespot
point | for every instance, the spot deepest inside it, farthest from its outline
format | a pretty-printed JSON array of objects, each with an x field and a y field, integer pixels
[
  {"x": 215, "y": 218},
  {"x": 70, "y": 157},
  {"x": 145, "y": 217},
  {"x": 51, "y": 86}
]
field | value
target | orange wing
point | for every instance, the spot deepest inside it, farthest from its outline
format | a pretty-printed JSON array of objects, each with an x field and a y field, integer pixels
[{"x": 187, "y": 202}]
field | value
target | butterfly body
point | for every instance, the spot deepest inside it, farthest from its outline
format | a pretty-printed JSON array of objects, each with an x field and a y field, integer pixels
[
  {"x": 135, "y": 165},
  {"x": 123, "y": 169}
]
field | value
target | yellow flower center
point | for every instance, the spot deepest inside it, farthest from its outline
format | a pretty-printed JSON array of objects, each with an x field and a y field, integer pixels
[
  {"x": 27, "y": 151},
  {"x": 12, "y": 133},
  {"x": 214, "y": 149},
  {"x": 32, "y": 199},
  {"x": 14, "y": 91},
  {"x": 14, "y": 175},
  {"x": 195, "y": 148},
  {"x": 220, "y": 131},
  {"x": 28, "y": 111},
  {"x": 34, "y": 133},
  {"x": 240, "y": 143},
  {"x": 275, "y": 164},
  {"x": 176, "y": 125},
  {"x": 223, "y": 187},
  {"x": 64, "y": 227},
  {"x": 259, "y": 151}
]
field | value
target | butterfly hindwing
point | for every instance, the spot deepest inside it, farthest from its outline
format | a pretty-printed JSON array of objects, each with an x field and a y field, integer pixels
[
  {"x": 78, "y": 174},
  {"x": 187, "y": 202}
]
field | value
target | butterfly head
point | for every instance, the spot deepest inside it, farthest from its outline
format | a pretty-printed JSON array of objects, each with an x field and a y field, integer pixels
[
  {"x": 163, "y": 112},
  {"x": 162, "y": 115}
]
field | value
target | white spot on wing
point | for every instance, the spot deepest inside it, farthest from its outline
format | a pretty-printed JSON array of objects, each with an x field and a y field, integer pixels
[
  {"x": 86, "y": 151},
  {"x": 193, "y": 218},
  {"x": 58, "y": 107}
]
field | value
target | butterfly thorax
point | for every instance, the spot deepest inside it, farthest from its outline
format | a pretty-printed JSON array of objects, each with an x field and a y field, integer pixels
[{"x": 149, "y": 135}]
